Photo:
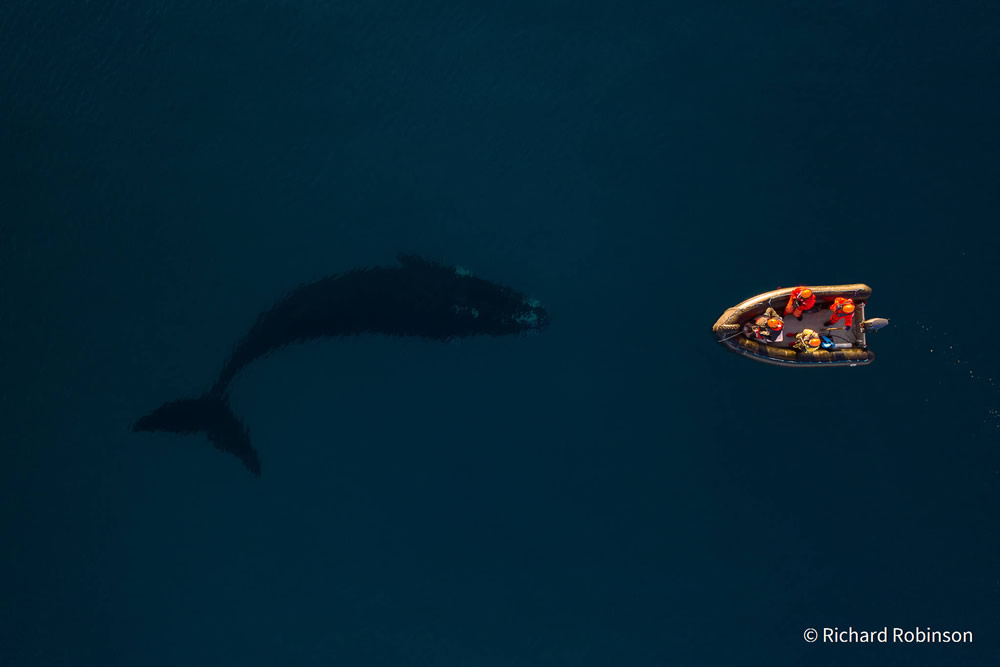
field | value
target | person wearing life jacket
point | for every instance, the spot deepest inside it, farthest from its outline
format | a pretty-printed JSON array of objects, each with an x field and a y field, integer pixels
[
  {"x": 842, "y": 309},
  {"x": 764, "y": 328},
  {"x": 807, "y": 341},
  {"x": 801, "y": 299}
]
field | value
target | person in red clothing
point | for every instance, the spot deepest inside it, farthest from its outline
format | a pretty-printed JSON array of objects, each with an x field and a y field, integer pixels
[
  {"x": 842, "y": 309},
  {"x": 801, "y": 299}
]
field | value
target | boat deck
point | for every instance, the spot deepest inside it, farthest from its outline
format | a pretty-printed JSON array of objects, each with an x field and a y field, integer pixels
[
  {"x": 850, "y": 346},
  {"x": 815, "y": 321}
]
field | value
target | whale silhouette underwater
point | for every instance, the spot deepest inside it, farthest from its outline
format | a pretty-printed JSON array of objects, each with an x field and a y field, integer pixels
[{"x": 419, "y": 298}]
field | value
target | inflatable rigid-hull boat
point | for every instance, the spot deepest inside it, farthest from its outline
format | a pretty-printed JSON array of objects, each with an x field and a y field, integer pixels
[{"x": 845, "y": 347}]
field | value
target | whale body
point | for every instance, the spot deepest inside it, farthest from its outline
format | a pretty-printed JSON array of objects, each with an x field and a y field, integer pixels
[{"x": 418, "y": 298}]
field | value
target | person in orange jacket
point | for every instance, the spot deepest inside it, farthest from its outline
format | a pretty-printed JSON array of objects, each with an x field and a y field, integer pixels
[
  {"x": 842, "y": 309},
  {"x": 801, "y": 299}
]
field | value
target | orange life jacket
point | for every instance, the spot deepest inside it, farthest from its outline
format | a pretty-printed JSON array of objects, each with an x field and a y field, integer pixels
[
  {"x": 838, "y": 306},
  {"x": 798, "y": 301}
]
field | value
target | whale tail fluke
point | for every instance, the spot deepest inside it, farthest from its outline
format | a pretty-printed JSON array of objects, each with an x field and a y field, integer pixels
[{"x": 210, "y": 415}]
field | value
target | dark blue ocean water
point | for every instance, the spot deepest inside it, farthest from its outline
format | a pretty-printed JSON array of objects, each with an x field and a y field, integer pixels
[{"x": 617, "y": 491}]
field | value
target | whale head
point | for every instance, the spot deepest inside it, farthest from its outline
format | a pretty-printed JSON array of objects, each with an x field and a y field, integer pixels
[
  {"x": 532, "y": 315},
  {"x": 475, "y": 306},
  {"x": 483, "y": 307}
]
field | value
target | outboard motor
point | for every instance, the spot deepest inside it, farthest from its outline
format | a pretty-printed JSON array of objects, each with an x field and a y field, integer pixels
[{"x": 874, "y": 324}]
